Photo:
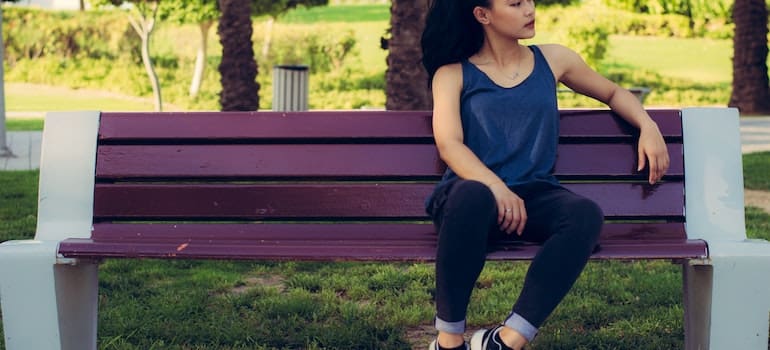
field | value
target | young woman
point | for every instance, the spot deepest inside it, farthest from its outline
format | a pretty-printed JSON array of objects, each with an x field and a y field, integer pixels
[{"x": 495, "y": 122}]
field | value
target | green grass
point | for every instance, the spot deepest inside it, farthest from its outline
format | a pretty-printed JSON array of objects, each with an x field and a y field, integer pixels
[
  {"x": 227, "y": 305},
  {"x": 18, "y": 204},
  {"x": 756, "y": 171},
  {"x": 32, "y": 98},
  {"x": 26, "y": 124},
  {"x": 698, "y": 60}
]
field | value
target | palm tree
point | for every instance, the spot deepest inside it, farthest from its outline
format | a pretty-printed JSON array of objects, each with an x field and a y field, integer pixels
[
  {"x": 751, "y": 90},
  {"x": 406, "y": 80},
  {"x": 238, "y": 69}
]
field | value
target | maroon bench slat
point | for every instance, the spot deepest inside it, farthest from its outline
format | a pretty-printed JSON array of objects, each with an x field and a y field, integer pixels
[
  {"x": 349, "y": 241},
  {"x": 351, "y": 160},
  {"x": 681, "y": 249},
  {"x": 261, "y": 125},
  {"x": 145, "y": 201},
  {"x": 345, "y": 241},
  {"x": 592, "y": 123},
  {"x": 336, "y": 124},
  {"x": 341, "y": 250},
  {"x": 609, "y": 160},
  {"x": 191, "y": 161},
  {"x": 338, "y": 231}
]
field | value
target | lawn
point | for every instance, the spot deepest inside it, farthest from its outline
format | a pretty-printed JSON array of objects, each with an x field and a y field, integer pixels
[
  {"x": 25, "y": 98},
  {"x": 698, "y": 60}
]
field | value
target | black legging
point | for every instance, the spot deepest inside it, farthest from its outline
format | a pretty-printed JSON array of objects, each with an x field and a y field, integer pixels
[{"x": 465, "y": 214}]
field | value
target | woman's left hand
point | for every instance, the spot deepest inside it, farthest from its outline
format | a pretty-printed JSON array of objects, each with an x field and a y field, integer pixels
[{"x": 652, "y": 152}]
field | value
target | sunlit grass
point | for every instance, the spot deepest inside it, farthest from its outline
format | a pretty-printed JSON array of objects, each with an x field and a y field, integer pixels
[
  {"x": 698, "y": 60},
  {"x": 35, "y": 99},
  {"x": 25, "y": 124}
]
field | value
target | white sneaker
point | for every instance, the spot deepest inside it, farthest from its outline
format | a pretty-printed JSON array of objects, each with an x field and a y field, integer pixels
[
  {"x": 434, "y": 346},
  {"x": 484, "y": 339}
]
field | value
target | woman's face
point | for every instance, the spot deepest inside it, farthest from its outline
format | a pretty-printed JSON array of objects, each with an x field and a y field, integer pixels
[{"x": 511, "y": 18}]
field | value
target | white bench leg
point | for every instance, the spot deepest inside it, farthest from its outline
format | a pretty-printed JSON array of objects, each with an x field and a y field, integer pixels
[
  {"x": 727, "y": 303},
  {"x": 46, "y": 305}
]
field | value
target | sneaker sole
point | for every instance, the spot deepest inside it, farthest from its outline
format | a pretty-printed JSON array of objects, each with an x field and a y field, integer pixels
[{"x": 477, "y": 340}]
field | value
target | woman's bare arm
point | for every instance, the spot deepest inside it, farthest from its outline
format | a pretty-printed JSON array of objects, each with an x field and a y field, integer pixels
[{"x": 570, "y": 69}]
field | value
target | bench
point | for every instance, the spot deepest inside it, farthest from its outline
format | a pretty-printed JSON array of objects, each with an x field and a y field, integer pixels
[{"x": 350, "y": 185}]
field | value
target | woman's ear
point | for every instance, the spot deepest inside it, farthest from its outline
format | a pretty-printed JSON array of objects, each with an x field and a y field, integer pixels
[{"x": 481, "y": 14}]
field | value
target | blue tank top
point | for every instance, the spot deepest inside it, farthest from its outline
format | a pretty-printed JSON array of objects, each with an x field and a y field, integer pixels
[{"x": 513, "y": 131}]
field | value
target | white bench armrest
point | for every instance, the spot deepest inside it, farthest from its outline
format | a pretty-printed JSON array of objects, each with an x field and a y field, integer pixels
[
  {"x": 67, "y": 166},
  {"x": 714, "y": 171}
]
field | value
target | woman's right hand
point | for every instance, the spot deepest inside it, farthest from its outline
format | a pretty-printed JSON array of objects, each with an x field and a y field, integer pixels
[{"x": 511, "y": 212}]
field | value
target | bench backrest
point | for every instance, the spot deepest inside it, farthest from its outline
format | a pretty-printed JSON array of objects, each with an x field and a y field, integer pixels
[{"x": 193, "y": 173}]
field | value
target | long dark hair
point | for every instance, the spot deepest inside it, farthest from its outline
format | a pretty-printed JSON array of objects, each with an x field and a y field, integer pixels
[{"x": 451, "y": 33}]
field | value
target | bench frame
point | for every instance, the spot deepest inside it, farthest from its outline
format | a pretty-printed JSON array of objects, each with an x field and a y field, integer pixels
[{"x": 726, "y": 295}]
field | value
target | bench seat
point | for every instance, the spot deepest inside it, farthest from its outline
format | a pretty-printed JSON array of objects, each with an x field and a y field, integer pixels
[{"x": 391, "y": 242}]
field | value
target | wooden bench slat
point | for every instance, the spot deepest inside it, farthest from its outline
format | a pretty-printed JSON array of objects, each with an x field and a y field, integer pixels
[
  {"x": 585, "y": 123},
  {"x": 340, "y": 250},
  {"x": 336, "y": 201},
  {"x": 609, "y": 160},
  {"x": 337, "y": 161},
  {"x": 339, "y": 231},
  {"x": 265, "y": 125},
  {"x": 116, "y": 127},
  {"x": 231, "y": 161}
]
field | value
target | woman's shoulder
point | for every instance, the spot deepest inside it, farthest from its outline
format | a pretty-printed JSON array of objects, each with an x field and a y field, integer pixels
[
  {"x": 559, "y": 57},
  {"x": 450, "y": 69},
  {"x": 449, "y": 73},
  {"x": 554, "y": 50}
]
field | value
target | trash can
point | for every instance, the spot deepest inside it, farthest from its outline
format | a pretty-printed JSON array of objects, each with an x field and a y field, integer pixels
[{"x": 290, "y": 88}]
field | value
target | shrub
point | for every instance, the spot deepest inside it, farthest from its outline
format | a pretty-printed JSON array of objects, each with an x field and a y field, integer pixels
[
  {"x": 33, "y": 33},
  {"x": 697, "y": 15},
  {"x": 617, "y": 21},
  {"x": 321, "y": 48},
  {"x": 588, "y": 38}
]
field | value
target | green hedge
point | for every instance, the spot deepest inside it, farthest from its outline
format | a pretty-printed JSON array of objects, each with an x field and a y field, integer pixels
[
  {"x": 616, "y": 21},
  {"x": 710, "y": 18},
  {"x": 32, "y": 34}
]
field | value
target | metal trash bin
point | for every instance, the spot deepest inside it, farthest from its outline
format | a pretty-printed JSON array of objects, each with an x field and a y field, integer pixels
[{"x": 290, "y": 88}]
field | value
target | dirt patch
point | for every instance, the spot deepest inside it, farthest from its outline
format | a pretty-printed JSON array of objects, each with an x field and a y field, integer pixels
[
  {"x": 421, "y": 336},
  {"x": 267, "y": 281},
  {"x": 759, "y": 199}
]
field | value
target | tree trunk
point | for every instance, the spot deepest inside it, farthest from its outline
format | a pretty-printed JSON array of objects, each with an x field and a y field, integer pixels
[
  {"x": 406, "y": 80},
  {"x": 751, "y": 89},
  {"x": 238, "y": 69},
  {"x": 200, "y": 59},
  {"x": 144, "y": 27}
]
